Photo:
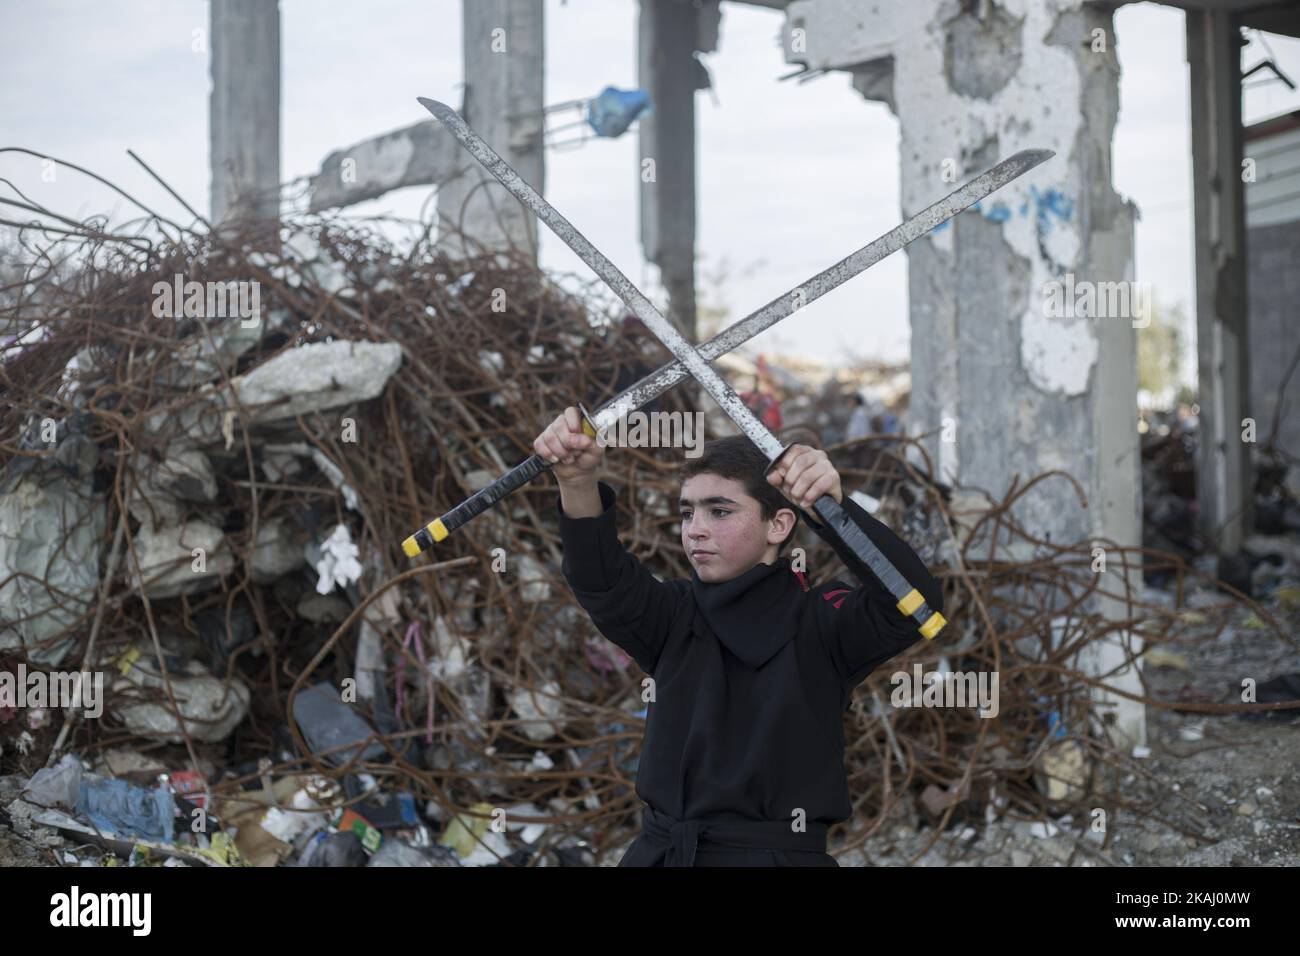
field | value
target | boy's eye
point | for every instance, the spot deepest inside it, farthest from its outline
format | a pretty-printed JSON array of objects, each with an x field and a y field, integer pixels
[
  {"x": 686, "y": 516},
  {"x": 720, "y": 512}
]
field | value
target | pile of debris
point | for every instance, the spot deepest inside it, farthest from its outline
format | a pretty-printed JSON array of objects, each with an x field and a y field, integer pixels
[
  {"x": 207, "y": 507},
  {"x": 202, "y": 505}
]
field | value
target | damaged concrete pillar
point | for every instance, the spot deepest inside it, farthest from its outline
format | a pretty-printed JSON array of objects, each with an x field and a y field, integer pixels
[
  {"x": 244, "y": 112},
  {"x": 504, "y": 57},
  {"x": 1224, "y": 487},
  {"x": 669, "y": 33},
  {"x": 1024, "y": 316}
]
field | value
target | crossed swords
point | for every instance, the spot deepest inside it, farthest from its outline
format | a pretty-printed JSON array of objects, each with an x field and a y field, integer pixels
[{"x": 695, "y": 362}]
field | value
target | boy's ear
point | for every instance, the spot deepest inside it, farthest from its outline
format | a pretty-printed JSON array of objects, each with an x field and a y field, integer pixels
[{"x": 783, "y": 522}]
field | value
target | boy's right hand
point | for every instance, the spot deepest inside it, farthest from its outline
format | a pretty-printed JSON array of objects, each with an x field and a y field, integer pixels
[{"x": 574, "y": 455}]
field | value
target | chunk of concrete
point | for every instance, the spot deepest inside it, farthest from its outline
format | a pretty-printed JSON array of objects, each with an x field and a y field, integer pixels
[
  {"x": 180, "y": 559},
  {"x": 200, "y": 358},
  {"x": 162, "y": 486},
  {"x": 276, "y": 550},
  {"x": 51, "y": 527},
  {"x": 318, "y": 376},
  {"x": 311, "y": 378},
  {"x": 209, "y": 711}
]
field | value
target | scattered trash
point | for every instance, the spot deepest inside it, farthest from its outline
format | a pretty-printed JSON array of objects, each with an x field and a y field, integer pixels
[
  {"x": 337, "y": 563},
  {"x": 58, "y": 786},
  {"x": 119, "y": 808},
  {"x": 328, "y": 723},
  {"x": 334, "y": 850}
]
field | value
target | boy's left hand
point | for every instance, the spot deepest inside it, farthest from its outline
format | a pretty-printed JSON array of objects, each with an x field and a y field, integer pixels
[{"x": 804, "y": 474}]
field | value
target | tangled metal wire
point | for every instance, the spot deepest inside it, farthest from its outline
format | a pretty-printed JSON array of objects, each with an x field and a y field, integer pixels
[{"x": 494, "y": 690}]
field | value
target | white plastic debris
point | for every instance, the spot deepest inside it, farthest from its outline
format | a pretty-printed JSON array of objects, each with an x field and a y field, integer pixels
[
  {"x": 540, "y": 761},
  {"x": 330, "y": 278},
  {"x": 494, "y": 361},
  {"x": 534, "y": 586},
  {"x": 302, "y": 247},
  {"x": 286, "y": 825},
  {"x": 55, "y": 786},
  {"x": 1043, "y": 830},
  {"x": 338, "y": 563},
  {"x": 1140, "y": 752},
  {"x": 1192, "y": 731},
  {"x": 450, "y": 656},
  {"x": 461, "y": 284},
  {"x": 545, "y": 703}
]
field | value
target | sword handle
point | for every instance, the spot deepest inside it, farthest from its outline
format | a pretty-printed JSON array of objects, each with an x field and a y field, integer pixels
[
  {"x": 909, "y": 599},
  {"x": 479, "y": 502}
]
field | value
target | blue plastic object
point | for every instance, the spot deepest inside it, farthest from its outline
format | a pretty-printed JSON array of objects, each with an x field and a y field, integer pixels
[
  {"x": 614, "y": 110},
  {"x": 120, "y": 808}
]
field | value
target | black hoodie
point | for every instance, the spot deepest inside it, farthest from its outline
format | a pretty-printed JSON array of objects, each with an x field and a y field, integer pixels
[{"x": 743, "y": 757}]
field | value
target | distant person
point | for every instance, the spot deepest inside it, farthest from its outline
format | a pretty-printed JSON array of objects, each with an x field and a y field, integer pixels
[{"x": 859, "y": 420}]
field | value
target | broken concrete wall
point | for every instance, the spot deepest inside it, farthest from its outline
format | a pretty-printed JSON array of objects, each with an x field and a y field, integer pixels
[{"x": 1004, "y": 382}]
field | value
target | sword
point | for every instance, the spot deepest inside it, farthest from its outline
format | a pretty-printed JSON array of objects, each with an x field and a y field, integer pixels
[
  {"x": 909, "y": 600},
  {"x": 668, "y": 376}
]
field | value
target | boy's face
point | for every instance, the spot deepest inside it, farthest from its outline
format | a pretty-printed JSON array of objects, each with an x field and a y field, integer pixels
[{"x": 723, "y": 529}]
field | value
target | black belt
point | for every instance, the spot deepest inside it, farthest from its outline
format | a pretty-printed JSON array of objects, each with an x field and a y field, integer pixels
[{"x": 681, "y": 837}]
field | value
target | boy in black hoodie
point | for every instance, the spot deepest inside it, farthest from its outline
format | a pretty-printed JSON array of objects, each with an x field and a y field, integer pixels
[{"x": 742, "y": 763}]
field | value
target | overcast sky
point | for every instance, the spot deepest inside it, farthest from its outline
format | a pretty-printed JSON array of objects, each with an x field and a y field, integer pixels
[{"x": 791, "y": 177}]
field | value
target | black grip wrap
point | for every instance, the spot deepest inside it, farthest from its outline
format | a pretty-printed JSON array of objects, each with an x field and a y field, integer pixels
[
  {"x": 475, "y": 505},
  {"x": 859, "y": 552}
]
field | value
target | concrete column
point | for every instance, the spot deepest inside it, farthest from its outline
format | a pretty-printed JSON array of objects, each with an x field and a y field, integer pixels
[
  {"x": 244, "y": 112},
  {"x": 669, "y": 32},
  {"x": 1223, "y": 474},
  {"x": 1014, "y": 372},
  {"x": 504, "y": 57}
]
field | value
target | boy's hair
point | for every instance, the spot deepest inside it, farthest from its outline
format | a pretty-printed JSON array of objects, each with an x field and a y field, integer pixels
[{"x": 736, "y": 457}]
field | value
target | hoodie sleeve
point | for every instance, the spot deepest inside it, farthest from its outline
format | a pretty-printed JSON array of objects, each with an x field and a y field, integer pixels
[
  {"x": 625, "y": 601},
  {"x": 862, "y": 627}
]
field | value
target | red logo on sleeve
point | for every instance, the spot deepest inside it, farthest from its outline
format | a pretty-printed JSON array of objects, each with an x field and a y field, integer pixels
[{"x": 831, "y": 595}]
